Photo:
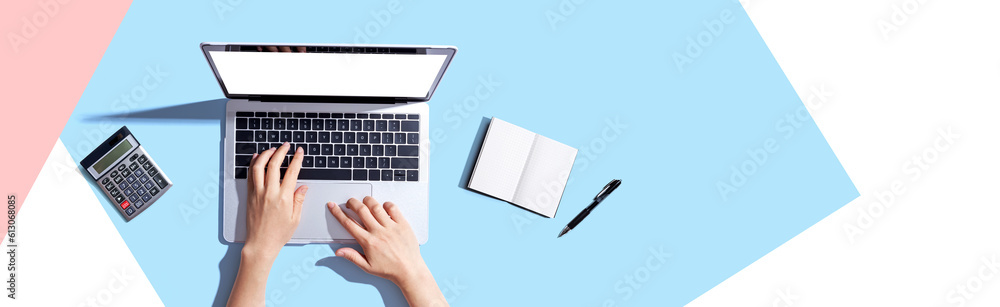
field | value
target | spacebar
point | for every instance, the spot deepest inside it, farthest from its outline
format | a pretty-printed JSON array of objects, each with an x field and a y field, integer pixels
[{"x": 325, "y": 174}]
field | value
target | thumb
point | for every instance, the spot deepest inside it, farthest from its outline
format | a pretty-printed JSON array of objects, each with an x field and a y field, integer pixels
[
  {"x": 297, "y": 199},
  {"x": 354, "y": 256}
]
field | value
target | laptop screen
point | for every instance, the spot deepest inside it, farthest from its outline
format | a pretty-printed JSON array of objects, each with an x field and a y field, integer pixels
[{"x": 389, "y": 72}]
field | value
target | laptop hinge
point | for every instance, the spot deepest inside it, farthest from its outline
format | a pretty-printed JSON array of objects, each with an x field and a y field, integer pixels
[{"x": 326, "y": 99}]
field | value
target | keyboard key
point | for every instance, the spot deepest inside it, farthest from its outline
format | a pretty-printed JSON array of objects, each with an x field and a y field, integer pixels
[
  {"x": 400, "y": 138},
  {"x": 279, "y": 124},
  {"x": 255, "y": 123},
  {"x": 240, "y": 173},
  {"x": 285, "y": 114},
  {"x": 266, "y": 123},
  {"x": 375, "y": 116},
  {"x": 359, "y": 162},
  {"x": 272, "y": 114},
  {"x": 390, "y": 150},
  {"x": 272, "y": 136},
  {"x": 410, "y": 125},
  {"x": 339, "y": 149},
  {"x": 305, "y": 124},
  {"x": 320, "y": 162},
  {"x": 311, "y": 137},
  {"x": 393, "y": 125},
  {"x": 332, "y": 162},
  {"x": 307, "y": 161},
  {"x": 413, "y": 116},
  {"x": 324, "y": 115},
  {"x": 293, "y": 124},
  {"x": 362, "y": 137},
  {"x": 399, "y": 175},
  {"x": 336, "y": 137},
  {"x": 313, "y": 149},
  {"x": 362, "y": 115},
  {"x": 260, "y": 114},
  {"x": 355, "y": 125},
  {"x": 285, "y": 136},
  {"x": 324, "y": 137},
  {"x": 260, "y": 136},
  {"x": 386, "y": 175},
  {"x": 244, "y": 136},
  {"x": 368, "y": 125},
  {"x": 160, "y": 181},
  {"x": 325, "y": 173},
  {"x": 352, "y": 150},
  {"x": 317, "y": 124},
  {"x": 326, "y": 150},
  {"x": 311, "y": 115},
  {"x": 405, "y": 163},
  {"x": 345, "y": 162},
  {"x": 349, "y": 137},
  {"x": 298, "y": 136},
  {"x": 381, "y": 125},
  {"x": 383, "y": 162},
  {"x": 261, "y": 147},
  {"x": 331, "y": 124},
  {"x": 336, "y": 115},
  {"x": 371, "y": 162},
  {"x": 343, "y": 125},
  {"x": 378, "y": 150},
  {"x": 373, "y": 175},
  {"x": 299, "y": 115},
  {"x": 241, "y": 123},
  {"x": 350, "y": 115},
  {"x": 246, "y": 148},
  {"x": 411, "y": 175},
  {"x": 413, "y": 138},
  {"x": 387, "y": 138},
  {"x": 375, "y": 138},
  {"x": 360, "y": 174},
  {"x": 407, "y": 151},
  {"x": 400, "y": 116},
  {"x": 365, "y": 150}
]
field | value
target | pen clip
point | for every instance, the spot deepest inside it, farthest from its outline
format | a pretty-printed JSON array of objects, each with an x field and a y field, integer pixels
[{"x": 608, "y": 188}]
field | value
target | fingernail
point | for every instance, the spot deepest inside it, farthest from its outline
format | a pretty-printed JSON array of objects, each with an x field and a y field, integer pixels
[
  {"x": 298, "y": 149},
  {"x": 389, "y": 205},
  {"x": 284, "y": 144}
]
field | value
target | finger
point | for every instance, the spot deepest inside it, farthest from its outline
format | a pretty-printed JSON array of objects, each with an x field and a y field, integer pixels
[
  {"x": 292, "y": 173},
  {"x": 351, "y": 225},
  {"x": 257, "y": 168},
  {"x": 250, "y": 185},
  {"x": 274, "y": 166},
  {"x": 297, "y": 200},
  {"x": 395, "y": 213},
  {"x": 377, "y": 211},
  {"x": 363, "y": 212},
  {"x": 354, "y": 256}
]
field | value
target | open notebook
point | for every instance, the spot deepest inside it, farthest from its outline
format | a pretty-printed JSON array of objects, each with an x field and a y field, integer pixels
[{"x": 522, "y": 167}]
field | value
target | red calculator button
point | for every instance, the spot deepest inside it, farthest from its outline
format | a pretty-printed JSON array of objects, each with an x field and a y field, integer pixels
[{"x": 124, "y": 204}]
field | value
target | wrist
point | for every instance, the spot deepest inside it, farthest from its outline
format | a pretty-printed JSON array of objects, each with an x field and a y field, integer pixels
[
  {"x": 411, "y": 279},
  {"x": 255, "y": 254}
]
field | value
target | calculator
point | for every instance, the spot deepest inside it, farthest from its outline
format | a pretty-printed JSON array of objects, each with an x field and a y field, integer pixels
[{"x": 126, "y": 173}]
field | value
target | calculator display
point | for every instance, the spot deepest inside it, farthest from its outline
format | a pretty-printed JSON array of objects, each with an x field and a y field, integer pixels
[{"x": 112, "y": 156}]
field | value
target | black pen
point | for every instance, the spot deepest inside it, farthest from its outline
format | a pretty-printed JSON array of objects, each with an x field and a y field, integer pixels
[{"x": 597, "y": 200}]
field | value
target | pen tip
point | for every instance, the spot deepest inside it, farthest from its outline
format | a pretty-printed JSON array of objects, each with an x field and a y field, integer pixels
[{"x": 561, "y": 233}]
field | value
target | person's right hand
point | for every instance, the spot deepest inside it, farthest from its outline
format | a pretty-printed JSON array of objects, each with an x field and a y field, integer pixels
[{"x": 391, "y": 249}]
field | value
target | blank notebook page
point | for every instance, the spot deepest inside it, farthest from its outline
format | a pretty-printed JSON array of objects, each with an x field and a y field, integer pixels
[
  {"x": 544, "y": 176},
  {"x": 501, "y": 160}
]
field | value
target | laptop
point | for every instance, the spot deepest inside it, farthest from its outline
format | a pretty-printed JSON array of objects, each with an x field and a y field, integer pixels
[{"x": 358, "y": 111}]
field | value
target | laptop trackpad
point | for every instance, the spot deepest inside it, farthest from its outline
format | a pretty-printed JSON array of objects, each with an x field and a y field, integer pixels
[{"x": 317, "y": 223}]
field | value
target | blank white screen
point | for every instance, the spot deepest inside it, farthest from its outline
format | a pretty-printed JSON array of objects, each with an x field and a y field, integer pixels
[{"x": 327, "y": 74}]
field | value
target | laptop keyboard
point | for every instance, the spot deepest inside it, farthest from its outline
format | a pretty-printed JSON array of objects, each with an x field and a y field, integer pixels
[{"x": 337, "y": 146}]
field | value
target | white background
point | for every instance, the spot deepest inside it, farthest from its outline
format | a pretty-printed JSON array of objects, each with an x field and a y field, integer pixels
[{"x": 890, "y": 95}]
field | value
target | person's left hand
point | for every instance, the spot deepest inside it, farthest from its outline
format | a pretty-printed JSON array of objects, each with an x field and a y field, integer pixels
[{"x": 274, "y": 206}]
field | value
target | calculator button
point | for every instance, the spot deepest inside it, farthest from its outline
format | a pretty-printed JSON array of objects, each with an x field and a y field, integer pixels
[
  {"x": 142, "y": 159},
  {"x": 121, "y": 167},
  {"x": 133, "y": 166},
  {"x": 136, "y": 184},
  {"x": 147, "y": 165},
  {"x": 133, "y": 197},
  {"x": 133, "y": 157},
  {"x": 129, "y": 211},
  {"x": 130, "y": 179},
  {"x": 140, "y": 191},
  {"x": 143, "y": 179},
  {"x": 123, "y": 185},
  {"x": 128, "y": 191},
  {"x": 114, "y": 192},
  {"x": 158, "y": 179},
  {"x": 125, "y": 173},
  {"x": 148, "y": 185},
  {"x": 153, "y": 191},
  {"x": 109, "y": 186},
  {"x": 123, "y": 203},
  {"x": 114, "y": 173},
  {"x": 138, "y": 204},
  {"x": 152, "y": 172},
  {"x": 139, "y": 172},
  {"x": 146, "y": 197},
  {"x": 106, "y": 180}
]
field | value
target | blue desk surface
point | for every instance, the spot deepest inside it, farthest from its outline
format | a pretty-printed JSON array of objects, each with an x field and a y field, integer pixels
[{"x": 601, "y": 76}]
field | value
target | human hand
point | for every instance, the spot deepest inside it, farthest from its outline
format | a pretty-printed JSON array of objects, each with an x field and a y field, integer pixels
[
  {"x": 391, "y": 249},
  {"x": 274, "y": 206}
]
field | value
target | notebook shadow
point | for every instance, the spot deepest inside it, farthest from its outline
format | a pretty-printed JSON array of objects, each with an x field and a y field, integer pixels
[
  {"x": 470, "y": 162},
  {"x": 391, "y": 294}
]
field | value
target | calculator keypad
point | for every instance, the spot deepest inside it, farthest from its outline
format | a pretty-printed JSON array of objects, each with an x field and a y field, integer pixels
[{"x": 134, "y": 183}]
